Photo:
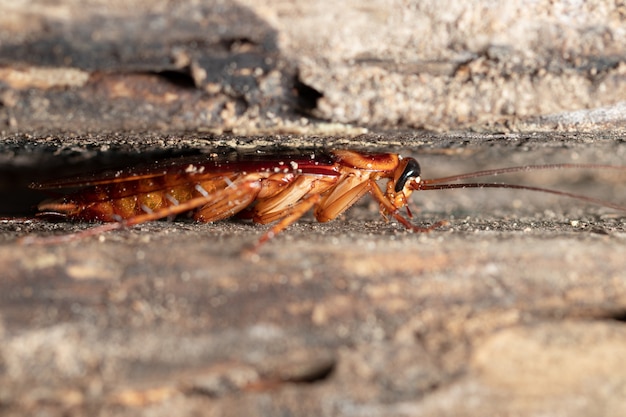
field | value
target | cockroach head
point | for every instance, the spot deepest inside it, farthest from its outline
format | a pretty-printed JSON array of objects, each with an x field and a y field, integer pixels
[{"x": 409, "y": 169}]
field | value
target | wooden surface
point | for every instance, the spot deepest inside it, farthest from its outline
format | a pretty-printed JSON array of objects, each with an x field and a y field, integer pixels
[{"x": 515, "y": 308}]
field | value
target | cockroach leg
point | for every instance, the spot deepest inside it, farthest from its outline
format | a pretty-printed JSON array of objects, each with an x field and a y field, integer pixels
[
  {"x": 343, "y": 196},
  {"x": 388, "y": 208},
  {"x": 292, "y": 215},
  {"x": 229, "y": 201}
]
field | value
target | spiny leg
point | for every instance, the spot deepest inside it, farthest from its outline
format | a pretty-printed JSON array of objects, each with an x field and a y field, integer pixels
[
  {"x": 344, "y": 196},
  {"x": 323, "y": 212},
  {"x": 393, "y": 211},
  {"x": 292, "y": 215},
  {"x": 272, "y": 206},
  {"x": 236, "y": 200}
]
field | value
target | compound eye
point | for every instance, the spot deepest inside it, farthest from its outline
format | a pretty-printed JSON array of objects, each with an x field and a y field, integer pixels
[{"x": 411, "y": 170}]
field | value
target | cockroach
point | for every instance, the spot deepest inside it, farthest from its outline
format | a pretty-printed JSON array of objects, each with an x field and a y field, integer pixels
[{"x": 267, "y": 188}]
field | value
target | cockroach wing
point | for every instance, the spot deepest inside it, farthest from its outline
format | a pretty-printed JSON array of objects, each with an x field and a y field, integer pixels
[{"x": 176, "y": 171}]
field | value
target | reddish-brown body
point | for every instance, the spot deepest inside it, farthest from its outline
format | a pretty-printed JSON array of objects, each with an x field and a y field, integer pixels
[{"x": 265, "y": 188}]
